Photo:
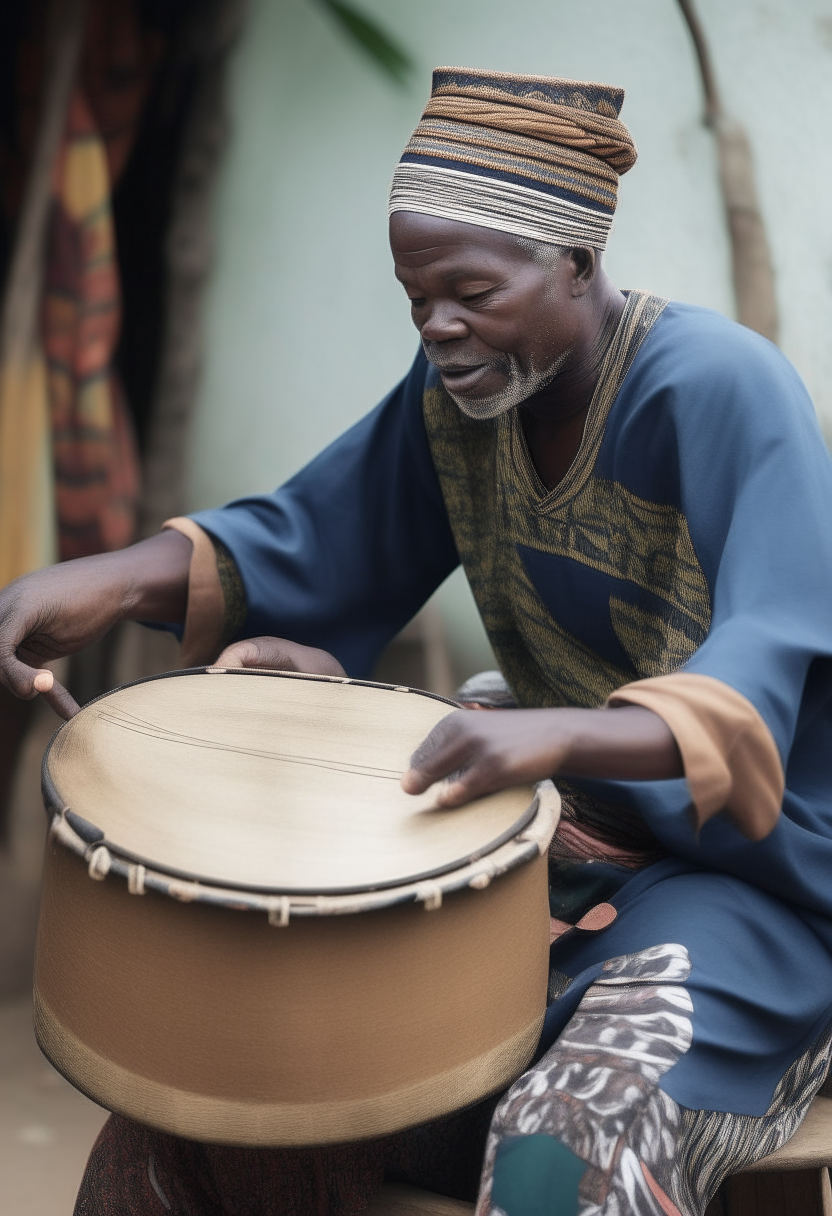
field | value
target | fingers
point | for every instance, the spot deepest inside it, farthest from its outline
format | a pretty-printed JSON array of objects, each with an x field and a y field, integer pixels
[
  {"x": 55, "y": 695},
  {"x": 320, "y": 662},
  {"x": 278, "y": 654},
  {"x": 19, "y": 677},
  {"x": 468, "y": 755},
  {"x": 442, "y": 755},
  {"x": 240, "y": 654},
  {"x": 465, "y": 785}
]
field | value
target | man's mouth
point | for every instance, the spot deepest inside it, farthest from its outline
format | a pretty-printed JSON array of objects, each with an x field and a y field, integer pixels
[{"x": 462, "y": 378}]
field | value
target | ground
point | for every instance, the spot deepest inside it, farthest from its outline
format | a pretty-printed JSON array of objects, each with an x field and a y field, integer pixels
[{"x": 46, "y": 1127}]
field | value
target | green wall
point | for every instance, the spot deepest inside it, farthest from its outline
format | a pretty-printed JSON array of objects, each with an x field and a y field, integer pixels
[{"x": 305, "y": 327}]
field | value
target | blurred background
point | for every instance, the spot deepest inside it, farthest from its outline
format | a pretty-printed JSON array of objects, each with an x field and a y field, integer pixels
[{"x": 197, "y": 296}]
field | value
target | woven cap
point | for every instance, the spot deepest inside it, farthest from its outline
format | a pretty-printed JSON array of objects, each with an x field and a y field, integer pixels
[{"x": 533, "y": 155}]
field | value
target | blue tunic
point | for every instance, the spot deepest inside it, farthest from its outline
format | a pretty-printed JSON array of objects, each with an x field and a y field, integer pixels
[{"x": 694, "y": 533}]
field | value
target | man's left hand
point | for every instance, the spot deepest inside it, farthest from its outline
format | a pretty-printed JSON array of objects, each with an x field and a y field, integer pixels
[{"x": 467, "y": 754}]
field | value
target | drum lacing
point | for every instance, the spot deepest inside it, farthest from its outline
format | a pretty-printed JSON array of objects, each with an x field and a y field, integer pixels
[
  {"x": 59, "y": 829},
  {"x": 135, "y": 879},
  {"x": 279, "y": 911},
  {"x": 100, "y": 862},
  {"x": 430, "y": 894},
  {"x": 483, "y": 877}
]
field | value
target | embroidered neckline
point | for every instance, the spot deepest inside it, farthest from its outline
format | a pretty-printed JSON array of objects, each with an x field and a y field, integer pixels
[{"x": 640, "y": 313}]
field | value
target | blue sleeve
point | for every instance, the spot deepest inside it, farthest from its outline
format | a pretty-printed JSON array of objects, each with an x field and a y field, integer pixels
[
  {"x": 759, "y": 506},
  {"x": 756, "y": 489},
  {"x": 718, "y": 423},
  {"x": 730, "y": 436},
  {"x": 345, "y": 553}
]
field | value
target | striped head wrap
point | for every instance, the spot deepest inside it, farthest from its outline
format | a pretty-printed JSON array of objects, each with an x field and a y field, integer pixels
[{"x": 531, "y": 155}]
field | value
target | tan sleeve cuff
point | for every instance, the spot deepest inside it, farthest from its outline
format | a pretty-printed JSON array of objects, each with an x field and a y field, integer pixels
[
  {"x": 731, "y": 760},
  {"x": 205, "y": 617}
]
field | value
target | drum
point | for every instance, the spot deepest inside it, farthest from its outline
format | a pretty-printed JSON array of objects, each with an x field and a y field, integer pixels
[{"x": 249, "y": 935}]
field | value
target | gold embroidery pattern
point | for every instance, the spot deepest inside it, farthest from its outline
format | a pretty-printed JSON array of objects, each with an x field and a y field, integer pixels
[{"x": 496, "y": 502}]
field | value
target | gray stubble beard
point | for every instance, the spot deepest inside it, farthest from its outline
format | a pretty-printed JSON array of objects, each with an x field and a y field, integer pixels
[{"x": 520, "y": 387}]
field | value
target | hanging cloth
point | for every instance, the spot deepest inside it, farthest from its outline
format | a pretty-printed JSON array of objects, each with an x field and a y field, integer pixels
[{"x": 96, "y": 461}]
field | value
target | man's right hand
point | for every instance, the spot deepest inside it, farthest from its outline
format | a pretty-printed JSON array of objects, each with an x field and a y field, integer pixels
[
  {"x": 279, "y": 654},
  {"x": 62, "y": 609}
]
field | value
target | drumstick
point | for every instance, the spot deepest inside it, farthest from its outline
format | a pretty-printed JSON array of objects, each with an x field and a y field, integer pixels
[{"x": 63, "y": 703}]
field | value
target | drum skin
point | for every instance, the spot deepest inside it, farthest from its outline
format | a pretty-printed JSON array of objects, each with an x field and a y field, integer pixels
[{"x": 217, "y": 1026}]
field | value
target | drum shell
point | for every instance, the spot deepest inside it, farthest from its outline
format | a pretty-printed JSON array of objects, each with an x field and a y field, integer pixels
[{"x": 214, "y": 1025}]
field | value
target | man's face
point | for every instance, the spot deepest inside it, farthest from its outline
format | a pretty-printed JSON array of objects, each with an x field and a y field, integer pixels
[{"x": 496, "y": 322}]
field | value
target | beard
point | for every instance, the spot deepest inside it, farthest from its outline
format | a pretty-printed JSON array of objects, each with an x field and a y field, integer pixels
[{"x": 521, "y": 383}]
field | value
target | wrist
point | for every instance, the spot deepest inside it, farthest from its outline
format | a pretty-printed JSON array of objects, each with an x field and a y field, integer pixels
[
  {"x": 625, "y": 743},
  {"x": 582, "y": 737},
  {"x": 152, "y": 578}
]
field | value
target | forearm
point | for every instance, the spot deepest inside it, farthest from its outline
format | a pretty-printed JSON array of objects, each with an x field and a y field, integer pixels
[
  {"x": 627, "y": 743},
  {"x": 147, "y": 581},
  {"x": 154, "y": 578},
  {"x": 61, "y": 609}
]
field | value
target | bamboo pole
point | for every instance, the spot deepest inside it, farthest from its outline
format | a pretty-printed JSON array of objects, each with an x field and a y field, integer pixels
[{"x": 752, "y": 270}]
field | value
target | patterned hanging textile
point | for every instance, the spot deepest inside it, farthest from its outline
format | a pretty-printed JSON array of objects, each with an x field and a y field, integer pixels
[
  {"x": 96, "y": 462},
  {"x": 45, "y": 65},
  {"x": 68, "y": 459}
]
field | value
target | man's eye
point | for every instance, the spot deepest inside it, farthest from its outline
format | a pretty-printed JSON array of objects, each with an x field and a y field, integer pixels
[
  {"x": 416, "y": 301},
  {"x": 476, "y": 296}
]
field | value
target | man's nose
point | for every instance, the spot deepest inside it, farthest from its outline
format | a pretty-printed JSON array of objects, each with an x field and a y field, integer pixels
[{"x": 443, "y": 324}]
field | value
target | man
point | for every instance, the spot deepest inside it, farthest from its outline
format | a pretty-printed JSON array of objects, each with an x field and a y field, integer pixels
[{"x": 642, "y": 502}]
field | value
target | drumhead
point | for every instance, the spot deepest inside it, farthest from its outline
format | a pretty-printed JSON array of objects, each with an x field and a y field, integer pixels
[{"x": 268, "y": 781}]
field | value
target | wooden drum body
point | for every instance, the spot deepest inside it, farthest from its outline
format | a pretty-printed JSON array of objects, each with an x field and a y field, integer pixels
[{"x": 250, "y": 936}]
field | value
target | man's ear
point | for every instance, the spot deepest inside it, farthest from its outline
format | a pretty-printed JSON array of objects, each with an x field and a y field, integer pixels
[{"x": 584, "y": 268}]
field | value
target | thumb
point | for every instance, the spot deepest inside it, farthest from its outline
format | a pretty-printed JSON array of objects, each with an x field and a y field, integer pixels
[
  {"x": 240, "y": 654},
  {"x": 26, "y": 682},
  {"x": 19, "y": 677}
]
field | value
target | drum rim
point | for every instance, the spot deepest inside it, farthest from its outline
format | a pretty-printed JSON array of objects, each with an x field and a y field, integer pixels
[{"x": 93, "y": 838}]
